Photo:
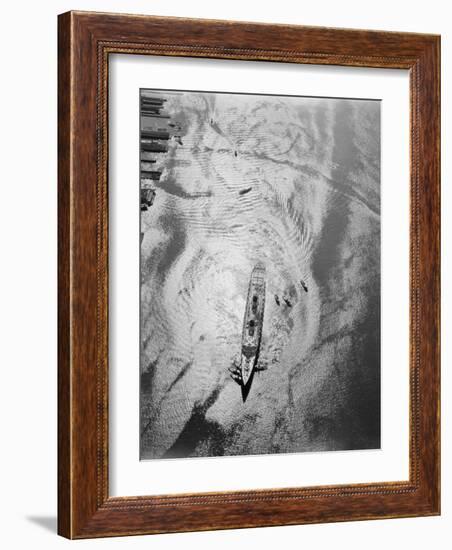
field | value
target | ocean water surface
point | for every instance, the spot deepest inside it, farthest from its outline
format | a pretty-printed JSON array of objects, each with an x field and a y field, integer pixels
[{"x": 293, "y": 183}]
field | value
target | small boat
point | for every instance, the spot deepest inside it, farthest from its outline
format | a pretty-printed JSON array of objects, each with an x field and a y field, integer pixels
[
  {"x": 304, "y": 286},
  {"x": 245, "y": 191},
  {"x": 252, "y": 323}
]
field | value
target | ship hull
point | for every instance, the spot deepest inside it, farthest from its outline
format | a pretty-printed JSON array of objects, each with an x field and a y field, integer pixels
[{"x": 252, "y": 323}]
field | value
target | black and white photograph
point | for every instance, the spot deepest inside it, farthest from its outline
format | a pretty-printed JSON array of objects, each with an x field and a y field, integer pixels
[{"x": 260, "y": 274}]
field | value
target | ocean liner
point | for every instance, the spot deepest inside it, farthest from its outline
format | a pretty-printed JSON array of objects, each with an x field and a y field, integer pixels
[{"x": 253, "y": 323}]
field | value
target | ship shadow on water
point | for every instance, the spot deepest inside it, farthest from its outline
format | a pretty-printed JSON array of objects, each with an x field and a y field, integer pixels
[{"x": 245, "y": 388}]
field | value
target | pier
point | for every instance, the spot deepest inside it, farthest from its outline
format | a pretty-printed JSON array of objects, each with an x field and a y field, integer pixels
[{"x": 153, "y": 143}]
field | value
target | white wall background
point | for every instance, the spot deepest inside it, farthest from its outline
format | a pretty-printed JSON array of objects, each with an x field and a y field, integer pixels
[{"x": 28, "y": 235}]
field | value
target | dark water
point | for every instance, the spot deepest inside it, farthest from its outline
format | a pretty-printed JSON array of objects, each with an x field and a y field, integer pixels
[{"x": 312, "y": 213}]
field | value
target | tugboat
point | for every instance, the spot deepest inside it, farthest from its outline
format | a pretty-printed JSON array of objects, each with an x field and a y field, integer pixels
[{"x": 252, "y": 323}]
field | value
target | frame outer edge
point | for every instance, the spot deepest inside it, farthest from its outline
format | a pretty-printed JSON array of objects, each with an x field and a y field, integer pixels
[
  {"x": 64, "y": 277},
  {"x": 82, "y": 512},
  {"x": 426, "y": 236},
  {"x": 431, "y": 267},
  {"x": 438, "y": 176}
]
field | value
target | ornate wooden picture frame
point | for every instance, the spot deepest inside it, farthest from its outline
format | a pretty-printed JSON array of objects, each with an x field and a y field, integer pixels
[{"x": 86, "y": 40}]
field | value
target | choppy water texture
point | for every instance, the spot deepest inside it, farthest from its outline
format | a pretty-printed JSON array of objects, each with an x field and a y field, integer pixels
[{"x": 313, "y": 213}]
